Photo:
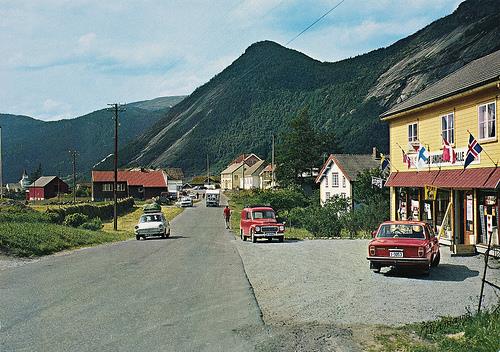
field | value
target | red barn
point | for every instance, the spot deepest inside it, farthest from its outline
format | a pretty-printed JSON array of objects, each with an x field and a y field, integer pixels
[{"x": 46, "y": 187}]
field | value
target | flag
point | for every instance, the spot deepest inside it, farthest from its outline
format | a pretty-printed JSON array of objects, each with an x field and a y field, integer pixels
[
  {"x": 449, "y": 153},
  {"x": 406, "y": 159},
  {"x": 383, "y": 162},
  {"x": 473, "y": 151},
  {"x": 423, "y": 156}
]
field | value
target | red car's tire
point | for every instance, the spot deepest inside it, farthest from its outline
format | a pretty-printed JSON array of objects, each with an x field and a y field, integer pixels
[
  {"x": 254, "y": 239},
  {"x": 436, "y": 260}
]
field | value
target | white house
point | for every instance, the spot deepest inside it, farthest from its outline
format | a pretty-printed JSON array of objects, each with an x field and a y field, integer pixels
[
  {"x": 252, "y": 175},
  {"x": 339, "y": 173},
  {"x": 230, "y": 178}
]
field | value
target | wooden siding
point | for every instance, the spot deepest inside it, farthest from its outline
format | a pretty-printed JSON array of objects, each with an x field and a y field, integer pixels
[{"x": 429, "y": 128}]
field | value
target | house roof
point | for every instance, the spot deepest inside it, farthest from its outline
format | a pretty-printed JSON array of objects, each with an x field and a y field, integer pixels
[
  {"x": 349, "y": 164},
  {"x": 232, "y": 168},
  {"x": 268, "y": 168},
  {"x": 155, "y": 178},
  {"x": 256, "y": 168},
  {"x": 43, "y": 181},
  {"x": 485, "y": 177},
  {"x": 476, "y": 73},
  {"x": 175, "y": 173},
  {"x": 243, "y": 157}
]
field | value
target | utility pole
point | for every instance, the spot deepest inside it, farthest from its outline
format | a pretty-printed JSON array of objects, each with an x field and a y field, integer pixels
[
  {"x": 243, "y": 173},
  {"x": 74, "y": 153},
  {"x": 208, "y": 170},
  {"x": 272, "y": 164},
  {"x": 1, "y": 168},
  {"x": 116, "y": 107}
]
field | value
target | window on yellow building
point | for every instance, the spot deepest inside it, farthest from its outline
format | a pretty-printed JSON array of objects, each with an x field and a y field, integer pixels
[
  {"x": 487, "y": 120},
  {"x": 448, "y": 127},
  {"x": 412, "y": 132}
]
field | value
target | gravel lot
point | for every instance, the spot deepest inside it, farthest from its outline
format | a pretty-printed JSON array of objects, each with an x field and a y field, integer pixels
[{"x": 329, "y": 282}]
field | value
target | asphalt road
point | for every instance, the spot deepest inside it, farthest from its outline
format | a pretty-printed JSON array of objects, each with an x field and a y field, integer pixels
[{"x": 186, "y": 293}]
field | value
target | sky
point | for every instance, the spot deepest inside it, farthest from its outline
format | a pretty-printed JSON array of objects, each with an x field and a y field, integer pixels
[{"x": 65, "y": 58}]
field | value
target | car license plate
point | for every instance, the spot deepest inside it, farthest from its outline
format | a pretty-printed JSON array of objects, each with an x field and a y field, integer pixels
[
  {"x": 270, "y": 234},
  {"x": 396, "y": 254}
]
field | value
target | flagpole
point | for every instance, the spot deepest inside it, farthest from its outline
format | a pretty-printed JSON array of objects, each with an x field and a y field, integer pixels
[
  {"x": 400, "y": 147},
  {"x": 485, "y": 152}
]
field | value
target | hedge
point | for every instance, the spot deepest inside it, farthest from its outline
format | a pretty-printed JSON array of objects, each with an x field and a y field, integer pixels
[{"x": 104, "y": 212}]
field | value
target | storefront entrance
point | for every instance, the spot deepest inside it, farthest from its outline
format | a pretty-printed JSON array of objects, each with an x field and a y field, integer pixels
[{"x": 469, "y": 237}]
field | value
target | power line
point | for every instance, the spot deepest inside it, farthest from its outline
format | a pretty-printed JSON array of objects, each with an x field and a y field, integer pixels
[{"x": 312, "y": 24}]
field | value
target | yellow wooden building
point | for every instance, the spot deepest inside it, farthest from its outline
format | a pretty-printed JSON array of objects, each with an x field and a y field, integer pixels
[{"x": 461, "y": 203}]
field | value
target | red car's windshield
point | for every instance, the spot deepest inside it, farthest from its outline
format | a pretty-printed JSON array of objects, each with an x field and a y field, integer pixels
[
  {"x": 263, "y": 214},
  {"x": 401, "y": 231}
]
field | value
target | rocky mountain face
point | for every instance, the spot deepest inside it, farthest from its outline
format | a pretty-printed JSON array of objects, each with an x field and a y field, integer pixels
[
  {"x": 28, "y": 142},
  {"x": 242, "y": 107}
]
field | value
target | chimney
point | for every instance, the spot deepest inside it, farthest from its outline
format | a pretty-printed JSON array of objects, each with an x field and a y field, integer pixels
[{"x": 374, "y": 153}]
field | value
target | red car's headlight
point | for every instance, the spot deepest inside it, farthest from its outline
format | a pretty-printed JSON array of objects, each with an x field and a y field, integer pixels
[{"x": 421, "y": 251}]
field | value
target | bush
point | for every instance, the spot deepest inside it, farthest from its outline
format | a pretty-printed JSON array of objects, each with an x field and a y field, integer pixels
[
  {"x": 75, "y": 220},
  {"x": 94, "y": 225},
  {"x": 92, "y": 211}
]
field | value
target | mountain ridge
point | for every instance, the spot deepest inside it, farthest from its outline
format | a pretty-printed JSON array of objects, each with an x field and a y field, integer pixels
[
  {"x": 28, "y": 141},
  {"x": 240, "y": 108}
]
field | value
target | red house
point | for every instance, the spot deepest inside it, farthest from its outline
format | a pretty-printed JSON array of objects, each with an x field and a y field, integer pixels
[
  {"x": 46, "y": 187},
  {"x": 140, "y": 184}
]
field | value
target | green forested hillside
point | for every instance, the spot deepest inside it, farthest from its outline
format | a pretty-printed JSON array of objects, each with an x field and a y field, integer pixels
[
  {"x": 28, "y": 142},
  {"x": 239, "y": 109}
]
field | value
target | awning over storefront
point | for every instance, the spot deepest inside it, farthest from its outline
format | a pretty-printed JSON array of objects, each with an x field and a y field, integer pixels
[{"x": 487, "y": 177}]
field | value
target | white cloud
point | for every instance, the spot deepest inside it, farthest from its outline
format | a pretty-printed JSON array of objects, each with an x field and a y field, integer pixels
[{"x": 86, "y": 41}]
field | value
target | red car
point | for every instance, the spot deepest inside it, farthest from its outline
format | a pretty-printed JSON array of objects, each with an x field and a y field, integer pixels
[
  {"x": 404, "y": 243},
  {"x": 260, "y": 222}
]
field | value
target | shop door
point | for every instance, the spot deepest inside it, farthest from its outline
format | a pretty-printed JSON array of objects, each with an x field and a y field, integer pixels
[{"x": 469, "y": 218}]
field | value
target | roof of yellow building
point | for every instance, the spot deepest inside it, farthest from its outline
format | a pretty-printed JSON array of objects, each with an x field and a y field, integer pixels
[{"x": 476, "y": 73}]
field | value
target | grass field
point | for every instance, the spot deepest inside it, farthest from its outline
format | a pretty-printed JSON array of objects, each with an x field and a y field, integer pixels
[
  {"x": 28, "y": 233},
  {"x": 478, "y": 333}
]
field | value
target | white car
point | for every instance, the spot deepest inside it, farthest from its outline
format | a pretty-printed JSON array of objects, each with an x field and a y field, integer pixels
[
  {"x": 152, "y": 224},
  {"x": 186, "y": 202}
]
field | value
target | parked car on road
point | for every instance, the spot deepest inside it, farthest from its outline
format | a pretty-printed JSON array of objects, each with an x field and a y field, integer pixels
[
  {"x": 152, "y": 224},
  {"x": 260, "y": 222},
  {"x": 186, "y": 202},
  {"x": 404, "y": 243}
]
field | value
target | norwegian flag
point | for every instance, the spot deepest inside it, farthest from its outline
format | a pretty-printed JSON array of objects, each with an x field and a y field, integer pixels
[
  {"x": 474, "y": 149},
  {"x": 449, "y": 153},
  {"x": 406, "y": 159}
]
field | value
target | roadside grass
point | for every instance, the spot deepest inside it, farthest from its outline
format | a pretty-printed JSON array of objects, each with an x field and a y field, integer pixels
[
  {"x": 478, "y": 333},
  {"x": 27, "y": 239}
]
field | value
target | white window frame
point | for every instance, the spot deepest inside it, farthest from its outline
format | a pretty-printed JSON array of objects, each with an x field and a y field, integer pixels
[
  {"x": 335, "y": 179},
  {"x": 107, "y": 187},
  {"x": 412, "y": 137},
  {"x": 120, "y": 187},
  {"x": 327, "y": 196},
  {"x": 326, "y": 181},
  {"x": 486, "y": 122},
  {"x": 343, "y": 182},
  {"x": 449, "y": 132}
]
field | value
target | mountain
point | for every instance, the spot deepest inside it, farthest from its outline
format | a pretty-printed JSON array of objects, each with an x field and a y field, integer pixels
[
  {"x": 27, "y": 142},
  {"x": 239, "y": 109}
]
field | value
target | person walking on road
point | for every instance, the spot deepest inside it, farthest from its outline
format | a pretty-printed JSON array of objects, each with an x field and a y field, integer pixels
[{"x": 227, "y": 216}]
